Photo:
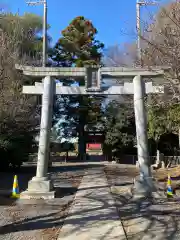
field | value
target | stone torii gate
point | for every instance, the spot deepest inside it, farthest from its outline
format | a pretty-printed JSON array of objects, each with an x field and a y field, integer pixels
[{"x": 41, "y": 186}]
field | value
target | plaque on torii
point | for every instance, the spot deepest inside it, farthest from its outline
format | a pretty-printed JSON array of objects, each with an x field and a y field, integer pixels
[{"x": 93, "y": 86}]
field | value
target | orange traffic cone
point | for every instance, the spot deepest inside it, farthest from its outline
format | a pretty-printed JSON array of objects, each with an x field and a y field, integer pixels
[
  {"x": 169, "y": 188},
  {"x": 15, "y": 190}
]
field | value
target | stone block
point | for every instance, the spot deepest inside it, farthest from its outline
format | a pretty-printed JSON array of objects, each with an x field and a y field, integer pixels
[
  {"x": 40, "y": 185},
  {"x": 143, "y": 187},
  {"x": 39, "y": 188},
  {"x": 37, "y": 195}
]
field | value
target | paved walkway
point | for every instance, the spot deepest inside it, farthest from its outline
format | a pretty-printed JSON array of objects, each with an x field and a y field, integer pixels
[{"x": 93, "y": 215}]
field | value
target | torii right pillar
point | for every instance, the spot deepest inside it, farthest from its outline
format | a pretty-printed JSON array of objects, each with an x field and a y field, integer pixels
[{"x": 143, "y": 185}]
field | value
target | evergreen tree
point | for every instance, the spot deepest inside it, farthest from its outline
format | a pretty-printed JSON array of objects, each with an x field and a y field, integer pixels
[
  {"x": 119, "y": 128},
  {"x": 78, "y": 47}
]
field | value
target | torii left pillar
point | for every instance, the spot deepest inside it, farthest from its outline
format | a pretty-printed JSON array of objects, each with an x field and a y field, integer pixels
[{"x": 41, "y": 186}]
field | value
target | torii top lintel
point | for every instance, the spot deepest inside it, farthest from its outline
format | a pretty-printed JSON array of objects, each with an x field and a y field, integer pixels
[{"x": 106, "y": 72}]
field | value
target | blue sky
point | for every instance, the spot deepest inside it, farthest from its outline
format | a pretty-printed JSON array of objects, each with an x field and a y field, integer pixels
[{"x": 114, "y": 19}]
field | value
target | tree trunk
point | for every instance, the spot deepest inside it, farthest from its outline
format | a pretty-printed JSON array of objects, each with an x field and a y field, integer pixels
[
  {"x": 81, "y": 141},
  {"x": 81, "y": 128}
]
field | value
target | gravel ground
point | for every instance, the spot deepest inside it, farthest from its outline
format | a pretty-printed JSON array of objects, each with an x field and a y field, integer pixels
[
  {"x": 37, "y": 219},
  {"x": 158, "y": 218}
]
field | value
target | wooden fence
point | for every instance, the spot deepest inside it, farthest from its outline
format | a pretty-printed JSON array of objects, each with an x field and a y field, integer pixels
[
  {"x": 131, "y": 159},
  {"x": 124, "y": 159}
]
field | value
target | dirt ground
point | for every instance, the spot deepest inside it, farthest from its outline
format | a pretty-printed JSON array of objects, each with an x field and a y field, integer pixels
[
  {"x": 42, "y": 220},
  {"x": 37, "y": 219},
  {"x": 145, "y": 219},
  {"x": 160, "y": 175}
]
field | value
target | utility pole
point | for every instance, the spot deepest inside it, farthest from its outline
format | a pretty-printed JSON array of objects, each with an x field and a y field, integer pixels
[
  {"x": 140, "y": 3},
  {"x": 138, "y": 27},
  {"x": 44, "y": 50}
]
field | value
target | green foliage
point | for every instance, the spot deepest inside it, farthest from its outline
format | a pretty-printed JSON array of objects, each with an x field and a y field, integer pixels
[
  {"x": 19, "y": 36},
  {"x": 156, "y": 122},
  {"x": 163, "y": 119},
  {"x": 14, "y": 150},
  {"x": 173, "y": 117},
  {"x": 78, "y": 45},
  {"x": 119, "y": 127}
]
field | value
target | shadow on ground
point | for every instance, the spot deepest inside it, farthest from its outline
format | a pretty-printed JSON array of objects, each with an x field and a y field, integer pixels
[
  {"x": 38, "y": 218},
  {"x": 68, "y": 179},
  {"x": 140, "y": 219},
  {"x": 25, "y": 173},
  {"x": 145, "y": 219}
]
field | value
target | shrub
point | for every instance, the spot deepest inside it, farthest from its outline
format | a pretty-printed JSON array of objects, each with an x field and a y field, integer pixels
[{"x": 14, "y": 150}]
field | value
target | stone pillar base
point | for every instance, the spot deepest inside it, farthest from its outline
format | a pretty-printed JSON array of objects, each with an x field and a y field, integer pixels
[
  {"x": 143, "y": 187},
  {"x": 39, "y": 188}
]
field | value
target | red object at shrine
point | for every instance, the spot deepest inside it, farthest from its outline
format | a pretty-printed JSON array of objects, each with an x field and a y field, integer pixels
[
  {"x": 94, "y": 140},
  {"x": 93, "y": 146}
]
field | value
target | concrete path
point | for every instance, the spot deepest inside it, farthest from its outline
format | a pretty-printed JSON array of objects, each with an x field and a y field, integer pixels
[{"x": 93, "y": 215}]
